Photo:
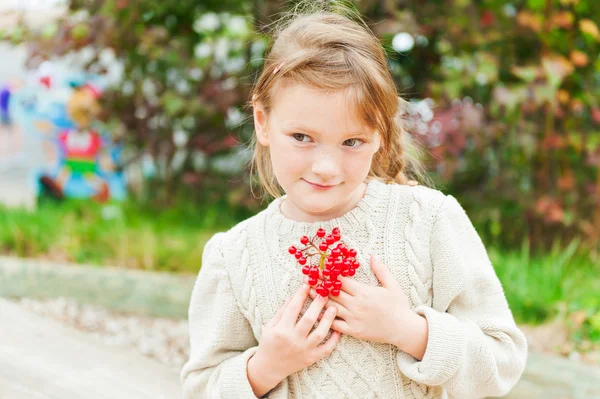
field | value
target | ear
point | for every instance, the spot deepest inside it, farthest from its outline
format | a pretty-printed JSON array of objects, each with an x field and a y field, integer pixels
[{"x": 260, "y": 123}]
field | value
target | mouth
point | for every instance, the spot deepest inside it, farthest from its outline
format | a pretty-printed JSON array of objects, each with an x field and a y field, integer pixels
[{"x": 320, "y": 186}]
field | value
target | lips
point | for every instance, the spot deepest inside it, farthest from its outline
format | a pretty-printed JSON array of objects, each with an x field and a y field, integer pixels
[{"x": 320, "y": 186}]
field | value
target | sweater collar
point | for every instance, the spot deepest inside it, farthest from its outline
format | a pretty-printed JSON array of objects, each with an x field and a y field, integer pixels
[{"x": 353, "y": 218}]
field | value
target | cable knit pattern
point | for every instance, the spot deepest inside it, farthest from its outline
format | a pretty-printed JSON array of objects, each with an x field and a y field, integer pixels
[{"x": 427, "y": 241}]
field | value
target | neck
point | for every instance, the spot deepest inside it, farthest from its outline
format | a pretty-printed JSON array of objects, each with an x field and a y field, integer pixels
[{"x": 291, "y": 211}]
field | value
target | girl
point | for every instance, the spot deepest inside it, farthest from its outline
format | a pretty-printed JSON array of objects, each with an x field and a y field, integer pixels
[{"x": 426, "y": 317}]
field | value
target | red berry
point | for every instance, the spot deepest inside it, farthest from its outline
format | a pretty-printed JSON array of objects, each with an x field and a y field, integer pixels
[
  {"x": 330, "y": 240},
  {"x": 302, "y": 261},
  {"x": 347, "y": 264},
  {"x": 321, "y": 233},
  {"x": 292, "y": 249},
  {"x": 327, "y": 284},
  {"x": 351, "y": 272},
  {"x": 312, "y": 281},
  {"x": 335, "y": 253},
  {"x": 314, "y": 272},
  {"x": 356, "y": 265},
  {"x": 306, "y": 270},
  {"x": 335, "y": 292},
  {"x": 326, "y": 272},
  {"x": 337, "y": 284},
  {"x": 335, "y": 231},
  {"x": 304, "y": 240},
  {"x": 344, "y": 273},
  {"x": 337, "y": 237},
  {"x": 298, "y": 255},
  {"x": 323, "y": 292},
  {"x": 323, "y": 246},
  {"x": 352, "y": 253}
]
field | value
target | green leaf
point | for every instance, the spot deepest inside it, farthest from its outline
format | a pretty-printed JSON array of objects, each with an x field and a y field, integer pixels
[
  {"x": 80, "y": 31},
  {"x": 173, "y": 103},
  {"x": 528, "y": 74},
  {"x": 49, "y": 31},
  {"x": 536, "y": 5}
]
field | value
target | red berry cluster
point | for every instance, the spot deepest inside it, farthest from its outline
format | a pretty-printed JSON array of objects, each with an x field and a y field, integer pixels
[{"x": 324, "y": 263}]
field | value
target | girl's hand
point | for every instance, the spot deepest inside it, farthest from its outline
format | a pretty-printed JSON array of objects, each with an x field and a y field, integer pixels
[
  {"x": 287, "y": 345},
  {"x": 377, "y": 314}
]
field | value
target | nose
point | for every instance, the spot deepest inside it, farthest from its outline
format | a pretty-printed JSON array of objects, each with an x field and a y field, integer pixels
[{"x": 326, "y": 165}]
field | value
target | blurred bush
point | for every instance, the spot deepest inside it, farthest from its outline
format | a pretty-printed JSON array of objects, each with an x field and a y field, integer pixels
[
  {"x": 505, "y": 97},
  {"x": 516, "y": 128},
  {"x": 185, "y": 76}
]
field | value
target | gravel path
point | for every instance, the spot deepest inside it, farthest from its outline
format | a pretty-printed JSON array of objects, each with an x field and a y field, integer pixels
[
  {"x": 167, "y": 340},
  {"x": 162, "y": 339}
]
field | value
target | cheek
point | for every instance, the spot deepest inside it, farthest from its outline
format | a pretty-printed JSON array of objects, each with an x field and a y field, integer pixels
[
  {"x": 358, "y": 164},
  {"x": 287, "y": 158}
]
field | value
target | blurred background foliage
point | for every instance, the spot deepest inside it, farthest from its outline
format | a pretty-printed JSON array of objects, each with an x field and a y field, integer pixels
[{"x": 506, "y": 99}]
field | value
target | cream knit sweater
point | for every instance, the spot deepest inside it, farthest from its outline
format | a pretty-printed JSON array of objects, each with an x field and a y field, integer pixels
[{"x": 425, "y": 238}]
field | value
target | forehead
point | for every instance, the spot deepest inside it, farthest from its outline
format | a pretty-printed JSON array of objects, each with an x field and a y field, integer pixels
[{"x": 316, "y": 109}]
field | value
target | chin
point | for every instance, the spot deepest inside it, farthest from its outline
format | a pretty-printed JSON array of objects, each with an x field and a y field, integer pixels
[{"x": 318, "y": 207}]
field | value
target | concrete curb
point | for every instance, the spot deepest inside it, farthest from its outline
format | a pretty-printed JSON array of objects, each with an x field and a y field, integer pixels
[{"x": 140, "y": 292}]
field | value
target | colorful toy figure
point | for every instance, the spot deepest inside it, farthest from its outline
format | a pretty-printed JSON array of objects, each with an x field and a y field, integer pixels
[
  {"x": 55, "y": 136},
  {"x": 82, "y": 148}
]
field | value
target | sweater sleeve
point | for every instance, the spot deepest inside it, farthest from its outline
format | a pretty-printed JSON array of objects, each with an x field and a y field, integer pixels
[
  {"x": 221, "y": 338},
  {"x": 474, "y": 347}
]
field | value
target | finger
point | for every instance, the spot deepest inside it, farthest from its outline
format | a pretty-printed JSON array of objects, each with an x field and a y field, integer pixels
[
  {"x": 343, "y": 299},
  {"x": 279, "y": 313},
  {"x": 308, "y": 320},
  {"x": 329, "y": 345},
  {"x": 351, "y": 286},
  {"x": 292, "y": 311},
  {"x": 319, "y": 334},
  {"x": 342, "y": 311},
  {"x": 381, "y": 272},
  {"x": 341, "y": 326}
]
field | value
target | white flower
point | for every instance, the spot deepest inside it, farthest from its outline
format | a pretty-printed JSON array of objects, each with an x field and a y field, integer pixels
[
  {"x": 403, "y": 42},
  {"x": 203, "y": 50},
  {"x": 238, "y": 25},
  {"x": 208, "y": 22}
]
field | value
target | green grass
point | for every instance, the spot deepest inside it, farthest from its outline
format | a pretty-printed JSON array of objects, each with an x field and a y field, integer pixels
[
  {"x": 117, "y": 234},
  {"x": 557, "y": 285},
  {"x": 538, "y": 287}
]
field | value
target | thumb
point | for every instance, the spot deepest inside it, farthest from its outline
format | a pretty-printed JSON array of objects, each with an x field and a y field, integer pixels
[{"x": 381, "y": 272}]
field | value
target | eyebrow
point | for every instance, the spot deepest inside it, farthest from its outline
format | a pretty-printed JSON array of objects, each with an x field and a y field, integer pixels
[{"x": 306, "y": 129}]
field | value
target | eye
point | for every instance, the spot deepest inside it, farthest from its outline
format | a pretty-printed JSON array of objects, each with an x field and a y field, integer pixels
[
  {"x": 303, "y": 138},
  {"x": 354, "y": 143}
]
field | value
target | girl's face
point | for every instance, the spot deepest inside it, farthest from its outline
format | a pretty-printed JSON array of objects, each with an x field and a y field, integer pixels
[{"x": 320, "y": 151}]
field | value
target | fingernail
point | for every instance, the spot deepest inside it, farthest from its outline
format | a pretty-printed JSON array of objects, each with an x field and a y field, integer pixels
[{"x": 332, "y": 310}]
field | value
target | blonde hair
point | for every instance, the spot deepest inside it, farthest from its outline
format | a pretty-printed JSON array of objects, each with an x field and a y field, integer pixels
[{"x": 329, "y": 47}]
